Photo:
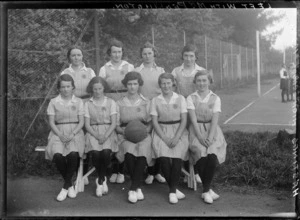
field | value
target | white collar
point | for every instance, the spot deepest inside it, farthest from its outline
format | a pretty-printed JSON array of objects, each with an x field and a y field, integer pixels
[
  {"x": 197, "y": 67},
  {"x": 60, "y": 99},
  {"x": 127, "y": 101},
  {"x": 173, "y": 98},
  {"x": 142, "y": 66},
  {"x": 109, "y": 63},
  {"x": 82, "y": 68},
  {"x": 94, "y": 102},
  {"x": 206, "y": 98}
]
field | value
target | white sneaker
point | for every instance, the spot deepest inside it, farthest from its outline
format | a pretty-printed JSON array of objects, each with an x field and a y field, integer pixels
[
  {"x": 113, "y": 178},
  {"x": 120, "y": 178},
  {"x": 99, "y": 189},
  {"x": 139, "y": 194},
  {"x": 198, "y": 179},
  {"x": 173, "y": 198},
  {"x": 207, "y": 198},
  {"x": 213, "y": 195},
  {"x": 72, "y": 192},
  {"x": 160, "y": 178},
  {"x": 179, "y": 194},
  {"x": 86, "y": 181},
  {"x": 132, "y": 197},
  {"x": 105, "y": 187},
  {"x": 62, "y": 195},
  {"x": 149, "y": 179}
]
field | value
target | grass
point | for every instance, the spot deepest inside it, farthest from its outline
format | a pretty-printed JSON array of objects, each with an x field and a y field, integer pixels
[{"x": 254, "y": 161}]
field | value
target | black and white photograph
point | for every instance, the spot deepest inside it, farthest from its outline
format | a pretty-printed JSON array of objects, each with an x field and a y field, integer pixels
[{"x": 172, "y": 109}]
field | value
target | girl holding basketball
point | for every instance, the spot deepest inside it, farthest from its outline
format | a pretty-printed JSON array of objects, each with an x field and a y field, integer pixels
[{"x": 133, "y": 130}]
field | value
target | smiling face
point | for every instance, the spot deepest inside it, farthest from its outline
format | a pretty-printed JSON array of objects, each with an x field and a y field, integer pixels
[
  {"x": 76, "y": 57},
  {"x": 166, "y": 86},
  {"x": 202, "y": 83},
  {"x": 189, "y": 58},
  {"x": 116, "y": 54},
  {"x": 66, "y": 89},
  {"x": 98, "y": 90},
  {"x": 148, "y": 55},
  {"x": 133, "y": 86}
]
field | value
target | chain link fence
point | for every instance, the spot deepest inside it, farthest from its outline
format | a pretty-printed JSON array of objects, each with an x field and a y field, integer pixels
[{"x": 38, "y": 40}]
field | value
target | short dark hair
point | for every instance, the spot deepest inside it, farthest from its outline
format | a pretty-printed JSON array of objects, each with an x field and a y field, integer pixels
[
  {"x": 203, "y": 73},
  {"x": 93, "y": 81},
  {"x": 114, "y": 43},
  {"x": 70, "y": 50},
  {"x": 166, "y": 76},
  {"x": 149, "y": 45},
  {"x": 133, "y": 75},
  {"x": 189, "y": 48},
  {"x": 67, "y": 78}
]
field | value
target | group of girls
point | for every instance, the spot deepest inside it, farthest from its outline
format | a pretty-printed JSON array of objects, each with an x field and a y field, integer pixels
[{"x": 179, "y": 111}]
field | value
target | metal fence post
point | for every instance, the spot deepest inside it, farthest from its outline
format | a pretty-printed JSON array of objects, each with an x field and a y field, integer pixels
[
  {"x": 221, "y": 66},
  {"x": 205, "y": 50},
  {"x": 97, "y": 44}
]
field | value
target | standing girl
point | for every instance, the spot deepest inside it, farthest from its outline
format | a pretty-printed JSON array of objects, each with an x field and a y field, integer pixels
[
  {"x": 207, "y": 143},
  {"x": 80, "y": 73},
  {"x": 137, "y": 155},
  {"x": 150, "y": 73},
  {"x": 100, "y": 123},
  {"x": 113, "y": 72},
  {"x": 66, "y": 139},
  {"x": 170, "y": 137}
]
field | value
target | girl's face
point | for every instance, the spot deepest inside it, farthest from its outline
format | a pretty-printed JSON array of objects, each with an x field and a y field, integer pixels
[
  {"x": 66, "y": 88},
  {"x": 133, "y": 86},
  {"x": 202, "y": 83},
  {"x": 76, "y": 57},
  {"x": 166, "y": 86},
  {"x": 148, "y": 55},
  {"x": 116, "y": 54},
  {"x": 98, "y": 90},
  {"x": 189, "y": 58}
]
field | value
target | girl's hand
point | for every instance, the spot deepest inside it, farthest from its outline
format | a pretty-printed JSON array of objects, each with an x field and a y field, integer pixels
[
  {"x": 102, "y": 139},
  {"x": 63, "y": 138},
  {"x": 174, "y": 142},
  {"x": 208, "y": 142},
  {"x": 167, "y": 141},
  {"x": 203, "y": 142}
]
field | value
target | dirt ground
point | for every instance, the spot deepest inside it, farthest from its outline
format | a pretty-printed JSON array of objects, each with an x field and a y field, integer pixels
[{"x": 35, "y": 196}]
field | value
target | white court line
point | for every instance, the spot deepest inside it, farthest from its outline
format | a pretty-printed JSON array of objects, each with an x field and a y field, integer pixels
[
  {"x": 270, "y": 89},
  {"x": 238, "y": 113},
  {"x": 262, "y": 124},
  {"x": 248, "y": 105}
]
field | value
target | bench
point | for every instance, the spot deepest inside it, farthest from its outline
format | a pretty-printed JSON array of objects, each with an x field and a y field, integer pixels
[
  {"x": 79, "y": 183},
  {"x": 191, "y": 180}
]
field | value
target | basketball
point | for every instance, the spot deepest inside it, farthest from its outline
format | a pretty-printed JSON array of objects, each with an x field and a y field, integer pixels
[{"x": 135, "y": 131}]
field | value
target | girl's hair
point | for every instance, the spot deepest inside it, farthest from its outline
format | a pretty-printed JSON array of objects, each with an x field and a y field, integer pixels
[
  {"x": 70, "y": 50},
  {"x": 133, "y": 75},
  {"x": 93, "y": 81},
  {"x": 189, "y": 48},
  {"x": 166, "y": 76},
  {"x": 115, "y": 43},
  {"x": 203, "y": 73},
  {"x": 149, "y": 45},
  {"x": 67, "y": 78}
]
